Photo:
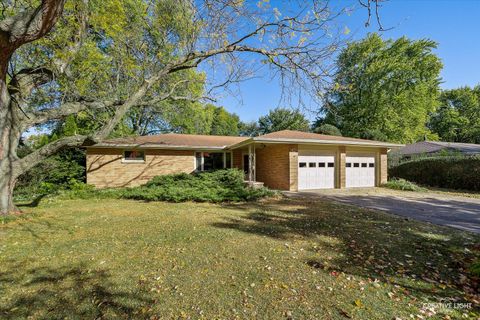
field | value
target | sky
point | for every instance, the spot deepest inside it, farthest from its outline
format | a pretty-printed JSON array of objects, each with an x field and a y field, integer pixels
[{"x": 453, "y": 24}]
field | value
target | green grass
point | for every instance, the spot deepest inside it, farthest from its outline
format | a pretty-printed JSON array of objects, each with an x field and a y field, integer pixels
[
  {"x": 274, "y": 259},
  {"x": 404, "y": 185}
]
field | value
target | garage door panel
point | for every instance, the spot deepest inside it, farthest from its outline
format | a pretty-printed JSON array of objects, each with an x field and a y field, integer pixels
[
  {"x": 316, "y": 171},
  {"x": 360, "y": 171}
]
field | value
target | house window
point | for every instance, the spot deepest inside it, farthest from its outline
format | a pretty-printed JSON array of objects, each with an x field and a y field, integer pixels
[
  {"x": 133, "y": 156},
  {"x": 356, "y": 165},
  {"x": 331, "y": 164},
  {"x": 364, "y": 165},
  {"x": 371, "y": 165},
  {"x": 206, "y": 161},
  {"x": 348, "y": 164},
  {"x": 312, "y": 165},
  {"x": 321, "y": 164},
  {"x": 302, "y": 164}
]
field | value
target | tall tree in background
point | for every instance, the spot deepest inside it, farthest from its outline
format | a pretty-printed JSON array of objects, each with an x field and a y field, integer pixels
[
  {"x": 384, "y": 90},
  {"x": 249, "y": 129},
  {"x": 205, "y": 119},
  {"x": 283, "y": 119},
  {"x": 106, "y": 57},
  {"x": 458, "y": 117}
]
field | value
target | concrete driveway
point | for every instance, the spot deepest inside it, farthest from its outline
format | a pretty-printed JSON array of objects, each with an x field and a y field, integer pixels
[{"x": 439, "y": 208}]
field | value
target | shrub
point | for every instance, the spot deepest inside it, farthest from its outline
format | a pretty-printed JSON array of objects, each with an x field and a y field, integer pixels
[
  {"x": 402, "y": 184},
  {"x": 51, "y": 176},
  {"x": 443, "y": 172},
  {"x": 217, "y": 186}
]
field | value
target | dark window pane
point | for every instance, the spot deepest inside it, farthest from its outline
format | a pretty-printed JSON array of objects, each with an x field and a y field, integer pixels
[
  {"x": 212, "y": 161},
  {"x": 371, "y": 165},
  {"x": 302, "y": 164},
  {"x": 134, "y": 155},
  {"x": 312, "y": 165},
  {"x": 198, "y": 161},
  {"x": 228, "y": 157},
  {"x": 321, "y": 164},
  {"x": 349, "y": 164},
  {"x": 331, "y": 164},
  {"x": 364, "y": 165},
  {"x": 356, "y": 165}
]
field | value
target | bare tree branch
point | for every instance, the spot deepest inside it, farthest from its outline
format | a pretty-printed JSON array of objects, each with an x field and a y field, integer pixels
[{"x": 368, "y": 5}]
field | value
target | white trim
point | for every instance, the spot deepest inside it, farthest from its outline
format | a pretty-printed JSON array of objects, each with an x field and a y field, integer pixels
[{"x": 132, "y": 161}]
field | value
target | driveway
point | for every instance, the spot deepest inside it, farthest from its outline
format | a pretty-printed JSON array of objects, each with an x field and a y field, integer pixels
[{"x": 442, "y": 209}]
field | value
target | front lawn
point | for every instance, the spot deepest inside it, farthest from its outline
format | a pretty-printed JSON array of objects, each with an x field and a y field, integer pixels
[{"x": 277, "y": 259}]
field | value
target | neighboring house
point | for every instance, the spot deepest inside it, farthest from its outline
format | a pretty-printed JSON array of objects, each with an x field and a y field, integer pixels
[
  {"x": 284, "y": 160},
  {"x": 436, "y": 147}
]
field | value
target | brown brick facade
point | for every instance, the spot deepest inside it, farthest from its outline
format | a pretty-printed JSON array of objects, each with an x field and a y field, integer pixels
[
  {"x": 237, "y": 158},
  {"x": 273, "y": 165},
  {"x": 106, "y": 169},
  {"x": 383, "y": 166},
  {"x": 276, "y": 165},
  {"x": 341, "y": 170}
]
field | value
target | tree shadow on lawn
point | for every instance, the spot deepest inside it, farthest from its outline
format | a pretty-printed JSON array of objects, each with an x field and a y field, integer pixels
[
  {"x": 371, "y": 244},
  {"x": 34, "y": 203},
  {"x": 66, "y": 292}
]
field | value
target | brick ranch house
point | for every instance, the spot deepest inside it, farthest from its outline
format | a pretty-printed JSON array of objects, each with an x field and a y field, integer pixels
[{"x": 284, "y": 160}]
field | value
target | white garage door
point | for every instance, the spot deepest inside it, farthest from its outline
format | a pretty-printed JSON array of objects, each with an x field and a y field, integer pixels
[
  {"x": 360, "y": 171},
  {"x": 316, "y": 172}
]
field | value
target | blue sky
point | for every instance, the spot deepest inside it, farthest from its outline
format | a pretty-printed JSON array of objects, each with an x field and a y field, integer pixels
[{"x": 454, "y": 24}]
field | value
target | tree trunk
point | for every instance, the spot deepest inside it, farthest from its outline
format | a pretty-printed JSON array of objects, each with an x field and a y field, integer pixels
[{"x": 9, "y": 139}]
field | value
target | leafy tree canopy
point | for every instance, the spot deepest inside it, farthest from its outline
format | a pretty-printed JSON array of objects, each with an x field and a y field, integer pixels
[
  {"x": 384, "y": 89},
  {"x": 283, "y": 119},
  {"x": 458, "y": 117},
  {"x": 327, "y": 129}
]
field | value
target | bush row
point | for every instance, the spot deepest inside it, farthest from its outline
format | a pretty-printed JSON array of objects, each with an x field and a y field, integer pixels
[
  {"x": 217, "y": 186},
  {"x": 443, "y": 172}
]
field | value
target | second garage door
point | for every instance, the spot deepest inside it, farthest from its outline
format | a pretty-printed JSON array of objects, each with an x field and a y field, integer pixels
[
  {"x": 360, "y": 171},
  {"x": 316, "y": 172}
]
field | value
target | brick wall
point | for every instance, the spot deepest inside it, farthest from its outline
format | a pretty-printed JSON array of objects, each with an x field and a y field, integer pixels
[
  {"x": 383, "y": 166},
  {"x": 293, "y": 159},
  {"x": 105, "y": 167},
  {"x": 237, "y": 159},
  {"x": 273, "y": 165},
  {"x": 341, "y": 170}
]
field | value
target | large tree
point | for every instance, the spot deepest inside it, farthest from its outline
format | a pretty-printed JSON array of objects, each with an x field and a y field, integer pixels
[
  {"x": 106, "y": 58},
  {"x": 384, "y": 89},
  {"x": 204, "y": 119},
  {"x": 458, "y": 117},
  {"x": 283, "y": 119}
]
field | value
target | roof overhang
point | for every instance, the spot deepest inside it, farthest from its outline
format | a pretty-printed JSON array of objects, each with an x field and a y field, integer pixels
[
  {"x": 156, "y": 146},
  {"x": 317, "y": 142}
]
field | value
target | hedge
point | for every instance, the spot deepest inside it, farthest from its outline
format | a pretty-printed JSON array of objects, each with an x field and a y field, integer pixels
[
  {"x": 217, "y": 186},
  {"x": 443, "y": 172}
]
